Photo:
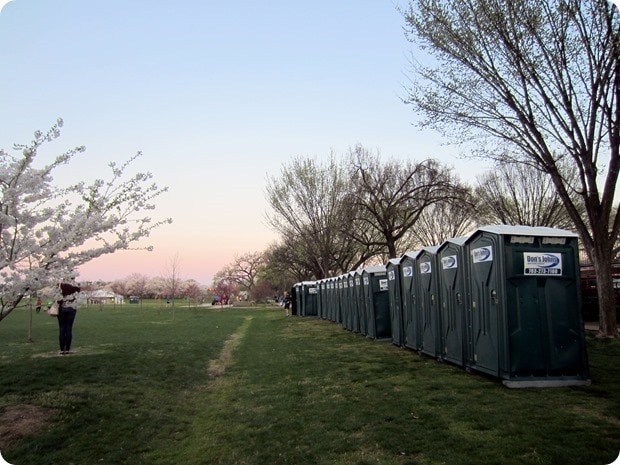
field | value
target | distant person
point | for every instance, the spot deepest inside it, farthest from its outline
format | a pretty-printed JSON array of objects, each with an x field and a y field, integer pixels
[
  {"x": 38, "y": 306},
  {"x": 287, "y": 303},
  {"x": 67, "y": 309}
]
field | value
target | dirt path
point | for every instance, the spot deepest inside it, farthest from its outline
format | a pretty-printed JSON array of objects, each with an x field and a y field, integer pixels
[{"x": 218, "y": 366}]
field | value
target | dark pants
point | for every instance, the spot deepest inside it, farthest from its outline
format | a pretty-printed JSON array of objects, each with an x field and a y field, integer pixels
[{"x": 66, "y": 316}]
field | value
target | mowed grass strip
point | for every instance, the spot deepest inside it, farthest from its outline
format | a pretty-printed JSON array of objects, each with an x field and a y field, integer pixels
[{"x": 291, "y": 390}]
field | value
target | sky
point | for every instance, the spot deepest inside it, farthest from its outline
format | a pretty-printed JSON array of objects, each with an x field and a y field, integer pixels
[{"x": 218, "y": 96}]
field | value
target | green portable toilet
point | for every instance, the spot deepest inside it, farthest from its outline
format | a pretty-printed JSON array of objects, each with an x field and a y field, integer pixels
[
  {"x": 395, "y": 295},
  {"x": 340, "y": 309},
  {"x": 375, "y": 283},
  {"x": 317, "y": 285},
  {"x": 525, "y": 325},
  {"x": 295, "y": 298},
  {"x": 345, "y": 302},
  {"x": 362, "y": 307},
  {"x": 426, "y": 300},
  {"x": 299, "y": 293},
  {"x": 325, "y": 298},
  {"x": 320, "y": 298},
  {"x": 336, "y": 298},
  {"x": 333, "y": 298},
  {"x": 359, "y": 324},
  {"x": 351, "y": 299},
  {"x": 411, "y": 315},
  {"x": 453, "y": 282},
  {"x": 309, "y": 298}
]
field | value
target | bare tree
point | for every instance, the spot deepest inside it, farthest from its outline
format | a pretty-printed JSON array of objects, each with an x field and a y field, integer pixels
[
  {"x": 308, "y": 210},
  {"x": 172, "y": 279},
  {"x": 389, "y": 197},
  {"x": 446, "y": 219},
  {"x": 541, "y": 77},
  {"x": 244, "y": 269},
  {"x": 515, "y": 193},
  {"x": 284, "y": 267}
]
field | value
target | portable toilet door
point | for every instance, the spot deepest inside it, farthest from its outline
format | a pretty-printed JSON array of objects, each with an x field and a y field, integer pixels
[
  {"x": 329, "y": 299},
  {"x": 301, "y": 310},
  {"x": 427, "y": 300},
  {"x": 326, "y": 300},
  {"x": 377, "y": 299},
  {"x": 312, "y": 299},
  {"x": 525, "y": 299},
  {"x": 317, "y": 284},
  {"x": 352, "y": 300},
  {"x": 333, "y": 298},
  {"x": 355, "y": 298},
  {"x": 309, "y": 298},
  {"x": 396, "y": 309},
  {"x": 411, "y": 317},
  {"x": 345, "y": 302},
  {"x": 360, "y": 306},
  {"x": 340, "y": 309},
  {"x": 368, "y": 302},
  {"x": 453, "y": 278},
  {"x": 320, "y": 298},
  {"x": 295, "y": 299},
  {"x": 336, "y": 299}
]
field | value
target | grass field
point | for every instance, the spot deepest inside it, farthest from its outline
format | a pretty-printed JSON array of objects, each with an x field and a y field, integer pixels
[{"x": 249, "y": 386}]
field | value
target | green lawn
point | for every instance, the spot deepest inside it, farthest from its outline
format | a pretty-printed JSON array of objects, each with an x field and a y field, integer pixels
[{"x": 249, "y": 386}]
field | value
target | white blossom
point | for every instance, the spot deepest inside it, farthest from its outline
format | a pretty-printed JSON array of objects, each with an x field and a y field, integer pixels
[{"x": 47, "y": 231}]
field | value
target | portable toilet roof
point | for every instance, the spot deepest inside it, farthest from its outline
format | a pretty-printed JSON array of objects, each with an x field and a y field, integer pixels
[
  {"x": 521, "y": 230},
  {"x": 454, "y": 240},
  {"x": 411, "y": 254},
  {"x": 375, "y": 269}
]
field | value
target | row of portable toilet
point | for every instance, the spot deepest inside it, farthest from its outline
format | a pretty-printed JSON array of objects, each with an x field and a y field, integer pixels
[{"x": 504, "y": 301}]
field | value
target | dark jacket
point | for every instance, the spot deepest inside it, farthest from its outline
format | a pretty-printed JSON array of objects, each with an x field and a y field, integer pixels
[{"x": 69, "y": 295}]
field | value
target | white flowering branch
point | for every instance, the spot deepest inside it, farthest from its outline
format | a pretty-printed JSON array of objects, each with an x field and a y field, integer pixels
[{"x": 46, "y": 231}]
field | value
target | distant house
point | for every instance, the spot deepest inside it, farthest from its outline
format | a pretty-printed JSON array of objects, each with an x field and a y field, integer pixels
[{"x": 102, "y": 297}]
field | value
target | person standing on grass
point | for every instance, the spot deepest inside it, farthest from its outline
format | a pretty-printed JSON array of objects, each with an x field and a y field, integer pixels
[
  {"x": 67, "y": 309},
  {"x": 287, "y": 303}
]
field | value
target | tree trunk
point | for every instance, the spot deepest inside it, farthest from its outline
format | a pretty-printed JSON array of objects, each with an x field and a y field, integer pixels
[
  {"x": 391, "y": 246},
  {"x": 608, "y": 324}
]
